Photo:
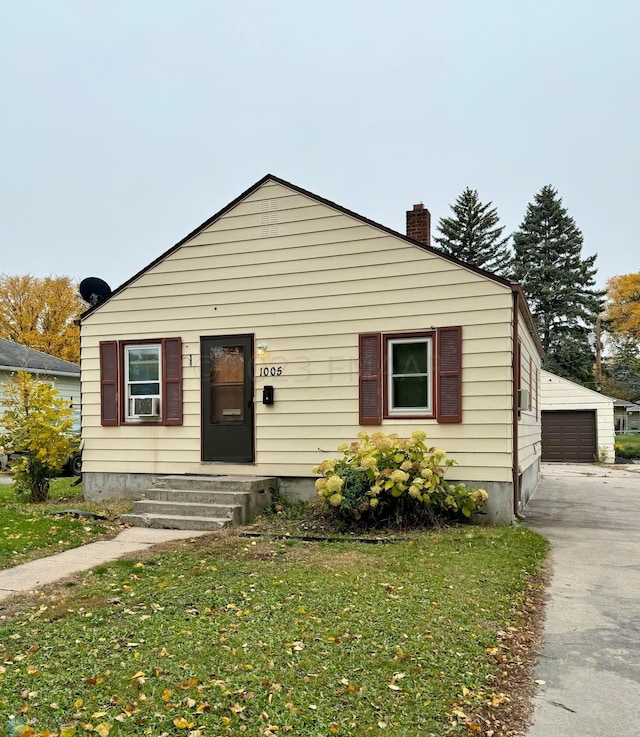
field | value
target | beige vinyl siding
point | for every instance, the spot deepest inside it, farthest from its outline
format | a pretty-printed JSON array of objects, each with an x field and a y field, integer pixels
[
  {"x": 561, "y": 394},
  {"x": 529, "y": 425},
  {"x": 306, "y": 286}
]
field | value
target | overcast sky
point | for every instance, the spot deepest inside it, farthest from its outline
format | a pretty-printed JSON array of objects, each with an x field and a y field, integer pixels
[{"x": 127, "y": 123}]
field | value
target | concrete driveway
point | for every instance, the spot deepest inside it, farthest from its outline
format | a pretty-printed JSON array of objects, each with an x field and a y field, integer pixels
[{"x": 590, "y": 660}]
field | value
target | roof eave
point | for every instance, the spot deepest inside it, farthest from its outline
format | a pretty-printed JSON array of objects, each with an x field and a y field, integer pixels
[{"x": 49, "y": 372}]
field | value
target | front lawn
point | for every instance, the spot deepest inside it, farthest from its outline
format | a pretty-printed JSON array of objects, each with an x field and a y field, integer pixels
[
  {"x": 31, "y": 531},
  {"x": 229, "y": 635}
]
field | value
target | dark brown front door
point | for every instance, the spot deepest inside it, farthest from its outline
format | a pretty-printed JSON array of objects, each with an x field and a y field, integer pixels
[
  {"x": 569, "y": 436},
  {"x": 227, "y": 398}
]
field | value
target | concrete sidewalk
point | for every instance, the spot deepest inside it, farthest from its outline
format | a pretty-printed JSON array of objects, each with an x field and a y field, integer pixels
[
  {"x": 590, "y": 660},
  {"x": 32, "y": 576}
]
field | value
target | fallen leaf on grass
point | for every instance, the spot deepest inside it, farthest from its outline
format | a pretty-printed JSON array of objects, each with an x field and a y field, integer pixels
[{"x": 182, "y": 723}]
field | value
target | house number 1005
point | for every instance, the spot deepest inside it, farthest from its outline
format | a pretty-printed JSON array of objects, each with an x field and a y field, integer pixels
[{"x": 270, "y": 371}]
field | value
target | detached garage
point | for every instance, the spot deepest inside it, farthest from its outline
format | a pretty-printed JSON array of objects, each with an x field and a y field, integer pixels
[{"x": 577, "y": 423}]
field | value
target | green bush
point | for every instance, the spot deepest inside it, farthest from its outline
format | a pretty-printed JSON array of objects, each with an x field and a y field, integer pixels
[
  {"x": 627, "y": 446},
  {"x": 384, "y": 480}
]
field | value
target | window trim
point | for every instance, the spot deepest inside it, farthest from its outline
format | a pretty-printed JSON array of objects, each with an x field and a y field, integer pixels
[
  {"x": 413, "y": 413},
  {"x": 127, "y": 418},
  {"x": 113, "y": 385}
]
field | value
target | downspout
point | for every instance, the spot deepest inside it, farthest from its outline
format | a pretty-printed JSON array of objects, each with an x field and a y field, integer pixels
[{"x": 515, "y": 374}]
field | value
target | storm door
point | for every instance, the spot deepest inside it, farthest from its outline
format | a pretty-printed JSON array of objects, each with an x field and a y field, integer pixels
[{"x": 227, "y": 399}]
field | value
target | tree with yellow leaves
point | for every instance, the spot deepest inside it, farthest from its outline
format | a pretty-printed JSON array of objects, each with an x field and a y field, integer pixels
[
  {"x": 40, "y": 313},
  {"x": 623, "y": 305},
  {"x": 37, "y": 423},
  {"x": 621, "y": 374}
]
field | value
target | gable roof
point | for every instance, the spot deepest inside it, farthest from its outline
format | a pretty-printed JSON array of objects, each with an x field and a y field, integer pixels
[
  {"x": 16, "y": 357},
  {"x": 574, "y": 385},
  {"x": 272, "y": 178},
  {"x": 306, "y": 193}
]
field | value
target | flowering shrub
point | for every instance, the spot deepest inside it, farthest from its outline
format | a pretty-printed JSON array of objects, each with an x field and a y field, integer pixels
[{"x": 383, "y": 479}]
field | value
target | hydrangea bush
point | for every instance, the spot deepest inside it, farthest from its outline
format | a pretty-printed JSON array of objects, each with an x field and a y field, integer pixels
[{"x": 386, "y": 480}]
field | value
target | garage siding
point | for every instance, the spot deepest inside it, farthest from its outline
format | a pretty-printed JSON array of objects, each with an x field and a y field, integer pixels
[{"x": 569, "y": 436}]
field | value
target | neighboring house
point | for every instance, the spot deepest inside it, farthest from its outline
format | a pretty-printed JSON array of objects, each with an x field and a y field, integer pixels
[
  {"x": 577, "y": 423},
  {"x": 285, "y": 325},
  {"x": 626, "y": 416},
  {"x": 63, "y": 375}
]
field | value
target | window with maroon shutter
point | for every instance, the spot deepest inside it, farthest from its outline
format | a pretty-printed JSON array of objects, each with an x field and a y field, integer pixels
[
  {"x": 141, "y": 381},
  {"x": 399, "y": 391},
  {"x": 109, "y": 410},
  {"x": 370, "y": 378},
  {"x": 449, "y": 366},
  {"x": 172, "y": 381}
]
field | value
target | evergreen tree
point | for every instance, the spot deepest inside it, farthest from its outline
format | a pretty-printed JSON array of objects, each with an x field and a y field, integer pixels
[
  {"x": 473, "y": 234},
  {"x": 623, "y": 367},
  {"x": 559, "y": 285}
]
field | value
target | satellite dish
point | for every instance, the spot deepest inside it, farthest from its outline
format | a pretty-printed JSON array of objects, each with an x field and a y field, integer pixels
[{"x": 94, "y": 290}]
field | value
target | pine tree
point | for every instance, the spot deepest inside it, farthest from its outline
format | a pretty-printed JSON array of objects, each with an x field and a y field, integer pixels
[
  {"x": 559, "y": 285},
  {"x": 622, "y": 367},
  {"x": 474, "y": 236}
]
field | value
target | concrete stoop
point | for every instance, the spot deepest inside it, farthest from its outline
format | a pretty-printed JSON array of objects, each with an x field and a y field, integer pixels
[{"x": 201, "y": 502}]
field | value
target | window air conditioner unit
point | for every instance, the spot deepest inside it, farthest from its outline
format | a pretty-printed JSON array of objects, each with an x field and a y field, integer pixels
[
  {"x": 145, "y": 406},
  {"x": 523, "y": 399}
]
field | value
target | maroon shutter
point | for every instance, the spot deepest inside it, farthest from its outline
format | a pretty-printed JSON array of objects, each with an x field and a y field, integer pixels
[
  {"x": 109, "y": 383},
  {"x": 536, "y": 390},
  {"x": 171, "y": 381},
  {"x": 449, "y": 367},
  {"x": 530, "y": 384},
  {"x": 370, "y": 375}
]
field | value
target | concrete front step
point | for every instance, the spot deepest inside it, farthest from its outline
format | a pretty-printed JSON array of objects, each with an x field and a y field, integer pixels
[
  {"x": 198, "y": 497},
  {"x": 174, "y": 508},
  {"x": 203, "y": 502},
  {"x": 165, "y": 521},
  {"x": 260, "y": 484}
]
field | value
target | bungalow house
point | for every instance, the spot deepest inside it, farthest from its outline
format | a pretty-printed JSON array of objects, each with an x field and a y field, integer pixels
[
  {"x": 63, "y": 375},
  {"x": 286, "y": 324},
  {"x": 626, "y": 416}
]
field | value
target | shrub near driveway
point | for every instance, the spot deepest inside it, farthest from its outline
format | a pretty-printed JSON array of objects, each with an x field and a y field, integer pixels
[
  {"x": 627, "y": 446},
  {"x": 384, "y": 480},
  {"x": 29, "y": 531},
  {"x": 229, "y": 636}
]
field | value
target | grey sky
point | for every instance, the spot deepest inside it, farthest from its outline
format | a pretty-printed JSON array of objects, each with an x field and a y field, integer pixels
[{"x": 127, "y": 123}]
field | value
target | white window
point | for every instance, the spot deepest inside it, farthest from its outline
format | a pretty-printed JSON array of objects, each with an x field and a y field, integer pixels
[
  {"x": 142, "y": 377},
  {"x": 409, "y": 376}
]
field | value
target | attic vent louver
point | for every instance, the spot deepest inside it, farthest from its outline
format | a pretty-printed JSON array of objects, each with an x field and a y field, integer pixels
[{"x": 269, "y": 218}]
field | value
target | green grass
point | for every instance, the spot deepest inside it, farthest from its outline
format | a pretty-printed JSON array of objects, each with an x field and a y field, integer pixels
[
  {"x": 628, "y": 446},
  {"x": 29, "y": 531},
  {"x": 231, "y": 635}
]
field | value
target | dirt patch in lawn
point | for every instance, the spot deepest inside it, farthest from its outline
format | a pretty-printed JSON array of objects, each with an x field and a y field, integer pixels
[{"x": 509, "y": 712}]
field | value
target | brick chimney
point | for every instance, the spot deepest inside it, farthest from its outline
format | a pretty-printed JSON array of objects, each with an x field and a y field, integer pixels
[{"x": 419, "y": 224}]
